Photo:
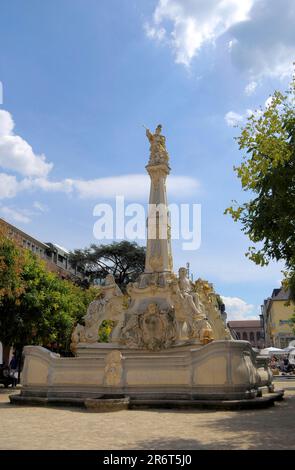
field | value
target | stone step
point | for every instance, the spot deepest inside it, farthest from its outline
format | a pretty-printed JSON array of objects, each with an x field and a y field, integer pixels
[
  {"x": 101, "y": 404},
  {"x": 253, "y": 403}
]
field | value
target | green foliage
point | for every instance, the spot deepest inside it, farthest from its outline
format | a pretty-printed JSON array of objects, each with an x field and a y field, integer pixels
[
  {"x": 267, "y": 173},
  {"x": 105, "y": 330},
  {"x": 220, "y": 303},
  {"x": 36, "y": 306},
  {"x": 124, "y": 260},
  {"x": 11, "y": 262}
]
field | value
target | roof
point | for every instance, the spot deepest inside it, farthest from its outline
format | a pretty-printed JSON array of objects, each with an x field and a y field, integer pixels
[
  {"x": 22, "y": 233},
  {"x": 244, "y": 324},
  {"x": 61, "y": 248},
  {"x": 280, "y": 294}
]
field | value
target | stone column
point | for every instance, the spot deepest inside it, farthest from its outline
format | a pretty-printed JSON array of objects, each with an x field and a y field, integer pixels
[{"x": 158, "y": 253}]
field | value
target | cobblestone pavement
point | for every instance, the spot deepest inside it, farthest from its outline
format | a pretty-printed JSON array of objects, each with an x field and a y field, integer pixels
[{"x": 73, "y": 428}]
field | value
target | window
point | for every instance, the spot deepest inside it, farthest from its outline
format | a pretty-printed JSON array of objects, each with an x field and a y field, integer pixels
[
  {"x": 258, "y": 336},
  {"x": 252, "y": 338},
  {"x": 245, "y": 336}
]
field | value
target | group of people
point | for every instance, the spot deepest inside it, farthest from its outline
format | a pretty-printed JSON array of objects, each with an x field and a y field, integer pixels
[
  {"x": 282, "y": 364},
  {"x": 9, "y": 374}
]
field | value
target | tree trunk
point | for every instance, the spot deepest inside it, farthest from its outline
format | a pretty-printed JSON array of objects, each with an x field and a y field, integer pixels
[{"x": 6, "y": 353}]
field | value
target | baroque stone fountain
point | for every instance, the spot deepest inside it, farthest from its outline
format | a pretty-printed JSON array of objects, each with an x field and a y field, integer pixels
[{"x": 169, "y": 344}]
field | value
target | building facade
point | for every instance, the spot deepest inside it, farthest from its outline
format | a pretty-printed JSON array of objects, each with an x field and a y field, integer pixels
[
  {"x": 248, "y": 330},
  {"x": 276, "y": 313},
  {"x": 55, "y": 257}
]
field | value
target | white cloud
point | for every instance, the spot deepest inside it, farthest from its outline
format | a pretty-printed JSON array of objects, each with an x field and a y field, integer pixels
[
  {"x": 134, "y": 186},
  {"x": 130, "y": 186},
  {"x": 15, "y": 215},
  {"x": 16, "y": 154},
  {"x": 40, "y": 207},
  {"x": 238, "y": 309},
  {"x": 64, "y": 186},
  {"x": 154, "y": 33},
  {"x": 250, "y": 88},
  {"x": 233, "y": 119},
  {"x": 261, "y": 33},
  {"x": 6, "y": 123},
  {"x": 264, "y": 45},
  {"x": 8, "y": 186},
  {"x": 191, "y": 23}
]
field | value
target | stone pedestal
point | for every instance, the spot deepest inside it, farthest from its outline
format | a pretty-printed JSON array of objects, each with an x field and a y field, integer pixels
[{"x": 223, "y": 370}]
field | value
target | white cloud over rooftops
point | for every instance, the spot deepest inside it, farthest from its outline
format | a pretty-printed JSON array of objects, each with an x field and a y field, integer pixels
[
  {"x": 14, "y": 214},
  {"x": 238, "y": 309}
]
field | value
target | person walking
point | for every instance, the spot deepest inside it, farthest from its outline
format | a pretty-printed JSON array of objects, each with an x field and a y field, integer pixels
[{"x": 14, "y": 369}]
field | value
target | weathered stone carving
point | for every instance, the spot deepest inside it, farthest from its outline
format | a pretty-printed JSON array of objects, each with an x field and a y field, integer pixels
[
  {"x": 107, "y": 306},
  {"x": 154, "y": 329},
  {"x": 156, "y": 262},
  {"x": 207, "y": 297},
  {"x": 78, "y": 336},
  {"x": 113, "y": 369},
  {"x": 158, "y": 152},
  {"x": 189, "y": 310}
]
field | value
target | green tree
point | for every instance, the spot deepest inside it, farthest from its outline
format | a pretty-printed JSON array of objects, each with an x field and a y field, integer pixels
[
  {"x": 11, "y": 284},
  {"x": 36, "y": 306},
  {"x": 267, "y": 174},
  {"x": 124, "y": 260}
]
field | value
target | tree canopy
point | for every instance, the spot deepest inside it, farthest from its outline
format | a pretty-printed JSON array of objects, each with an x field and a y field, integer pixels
[
  {"x": 267, "y": 174},
  {"x": 125, "y": 260},
  {"x": 36, "y": 306}
]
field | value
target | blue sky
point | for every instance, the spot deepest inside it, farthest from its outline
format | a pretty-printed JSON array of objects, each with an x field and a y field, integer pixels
[{"x": 80, "y": 77}]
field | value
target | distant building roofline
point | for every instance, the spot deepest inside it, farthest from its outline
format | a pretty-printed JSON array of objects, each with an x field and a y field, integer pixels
[
  {"x": 244, "y": 323},
  {"x": 24, "y": 234}
]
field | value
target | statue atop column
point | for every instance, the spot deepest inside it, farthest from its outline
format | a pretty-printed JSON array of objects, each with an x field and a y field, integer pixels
[
  {"x": 158, "y": 253},
  {"x": 158, "y": 151}
]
